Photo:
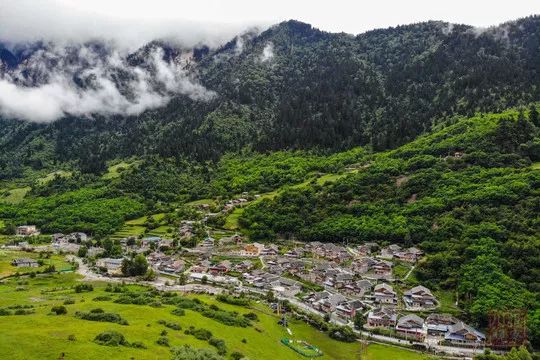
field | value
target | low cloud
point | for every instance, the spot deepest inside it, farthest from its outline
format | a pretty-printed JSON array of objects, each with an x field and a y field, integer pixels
[
  {"x": 268, "y": 52},
  {"x": 58, "y": 82}
]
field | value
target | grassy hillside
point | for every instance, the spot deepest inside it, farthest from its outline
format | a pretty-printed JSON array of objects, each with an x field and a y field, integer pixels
[{"x": 41, "y": 335}]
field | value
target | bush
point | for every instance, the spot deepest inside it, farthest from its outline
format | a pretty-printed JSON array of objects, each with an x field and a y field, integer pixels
[
  {"x": 99, "y": 315},
  {"x": 111, "y": 338},
  {"x": 5, "y": 312},
  {"x": 187, "y": 352},
  {"x": 170, "y": 325},
  {"x": 201, "y": 334},
  {"x": 342, "y": 333},
  {"x": 219, "y": 344},
  {"x": 163, "y": 341},
  {"x": 59, "y": 310},
  {"x": 71, "y": 337},
  {"x": 69, "y": 301},
  {"x": 138, "y": 345},
  {"x": 178, "y": 312},
  {"x": 79, "y": 288},
  {"x": 228, "y": 299},
  {"x": 237, "y": 355},
  {"x": 102, "y": 298},
  {"x": 251, "y": 316}
]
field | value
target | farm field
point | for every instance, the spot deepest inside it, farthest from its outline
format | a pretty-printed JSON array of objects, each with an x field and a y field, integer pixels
[
  {"x": 6, "y": 256},
  {"x": 45, "y": 336}
]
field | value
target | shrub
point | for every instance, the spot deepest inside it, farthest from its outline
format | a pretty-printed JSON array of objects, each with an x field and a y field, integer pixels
[
  {"x": 244, "y": 341},
  {"x": 251, "y": 316},
  {"x": 163, "y": 341},
  {"x": 170, "y": 325},
  {"x": 59, "y": 310},
  {"x": 178, "y": 312},
  {"x": 237, "y": 355},
  {"x": 71, "y": 337},
  {"x": 79, "y": 288},
  {"x": 138, "y": 345},
  {"x": 23, "y": 312},
  {"x": 99, "y": 315},
  {"x": 219, "y": 344},
  {"x": 69, "y": 301},
  {"x": 5, "y": 312},
  {"x": 342, "y": 333},
  {"x": 102, "y": 298},
  {"x": 240, "y": 301},
  {"x": 201, "y": 334},
  {"x": 187, "y": 352},
  {"x": 111, "y": 338}
]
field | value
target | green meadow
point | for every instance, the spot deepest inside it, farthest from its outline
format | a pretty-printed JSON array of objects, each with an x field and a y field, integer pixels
[{"x": 44, "y": 336}]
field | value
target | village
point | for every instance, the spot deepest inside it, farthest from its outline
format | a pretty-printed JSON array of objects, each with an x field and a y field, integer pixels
[{"x": 339, "y": 282}]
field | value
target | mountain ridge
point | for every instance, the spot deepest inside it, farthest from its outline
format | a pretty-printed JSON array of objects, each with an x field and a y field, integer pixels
[{"x": 313, "y": 90}]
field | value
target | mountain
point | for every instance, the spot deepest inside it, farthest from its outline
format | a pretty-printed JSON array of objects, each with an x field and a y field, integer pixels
[{"x": 289, "y": 87}]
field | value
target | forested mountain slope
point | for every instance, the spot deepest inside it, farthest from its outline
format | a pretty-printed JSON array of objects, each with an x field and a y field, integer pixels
[
  {"x": 289, "y": 87},
  {"x": 467, "y": 194}
]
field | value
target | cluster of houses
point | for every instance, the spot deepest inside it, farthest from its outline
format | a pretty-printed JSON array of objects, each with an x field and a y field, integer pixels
[
  {"x": 411, "y": 326},
  {"x": 395, "y": 251},
  {"x": 329, "y": 251}
]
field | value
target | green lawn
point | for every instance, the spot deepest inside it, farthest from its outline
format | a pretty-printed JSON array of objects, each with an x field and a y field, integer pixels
[
  {"x": 15, "y": 196},
  {"x": 231, "y": 222},
  {"x": 162, "y": 231},
  {"x": 401, "y": 269},
  {"x": 536, "y": 165},
  {"x": 380, "y": 352},
  {"x": 201, "y": 202},
  {"x": 115, "y": 170},
  {"x": 129, "y": 231},
  {"x": 51, "y": 176},
  {"x": 329, "y": 178},
  {"x": 6, "y": 256}
]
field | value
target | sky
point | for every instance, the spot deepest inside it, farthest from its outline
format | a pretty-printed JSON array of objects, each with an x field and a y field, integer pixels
[{"x": 133, "y": 22}]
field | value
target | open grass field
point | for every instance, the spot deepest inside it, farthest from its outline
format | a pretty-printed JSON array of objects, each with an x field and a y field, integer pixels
[
  {"x": 6, "y": 256},
  {"x": 115, "y": 170},
  {"x": 231, "y": 222},
  {"x": 15, "y": 196},
  {"x": 201, "y": 202},
  {"x": 379, "y": 352},
  {"x": 136, "y": 227},
  {"x": 45, "y": 336},
  {"x": 49, "y": 177}
]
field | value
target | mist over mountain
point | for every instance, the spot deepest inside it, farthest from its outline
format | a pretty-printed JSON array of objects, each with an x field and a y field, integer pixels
[{"x": 291, "y": 86}]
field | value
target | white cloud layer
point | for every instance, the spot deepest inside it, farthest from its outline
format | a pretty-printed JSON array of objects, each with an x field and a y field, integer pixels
[{"x": 55, "y": 94}]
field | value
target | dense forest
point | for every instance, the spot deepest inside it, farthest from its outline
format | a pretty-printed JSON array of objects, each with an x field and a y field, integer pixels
[{"x": 314, "y": 90}]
